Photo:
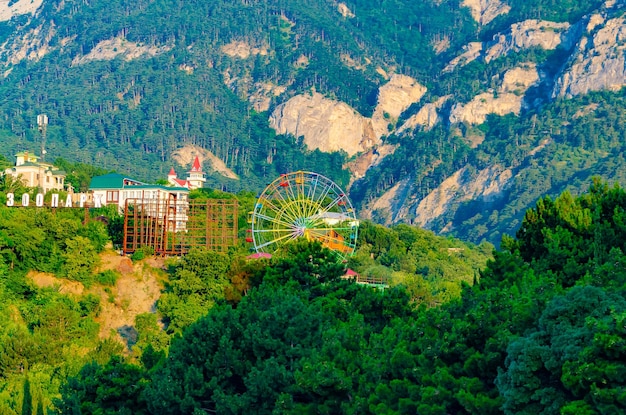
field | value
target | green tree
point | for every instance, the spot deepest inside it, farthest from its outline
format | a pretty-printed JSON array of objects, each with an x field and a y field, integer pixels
[
  {"x": 112, "y": 388},
  {"x": 197, "y": 283},
  {"x": 236, "y": 359},
  {"x": 27, "y": 399},
  {"x": 307, "y": 263},
  {"x": 81, "y": 258},
  {"x": 573, "y": 361}
]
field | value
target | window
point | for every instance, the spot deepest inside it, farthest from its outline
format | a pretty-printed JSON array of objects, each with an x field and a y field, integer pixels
[{"x": 112, "y": 196}]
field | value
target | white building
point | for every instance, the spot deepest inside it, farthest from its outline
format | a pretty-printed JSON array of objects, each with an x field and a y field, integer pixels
[
  {"x": 168, "y": 203},
  {"x": 34, "y": 173}
]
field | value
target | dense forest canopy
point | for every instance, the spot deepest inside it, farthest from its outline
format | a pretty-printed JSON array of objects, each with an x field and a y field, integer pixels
[
  {"x": 541, "y": 330},
  {"x": 60, "y": 289}
]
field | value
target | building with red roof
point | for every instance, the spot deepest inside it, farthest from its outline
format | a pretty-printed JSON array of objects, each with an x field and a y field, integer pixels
[{"x": 195, "y": 178}]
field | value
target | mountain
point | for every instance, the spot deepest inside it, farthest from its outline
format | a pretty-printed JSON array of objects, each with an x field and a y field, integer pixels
[{"x": 453, "y": 115}]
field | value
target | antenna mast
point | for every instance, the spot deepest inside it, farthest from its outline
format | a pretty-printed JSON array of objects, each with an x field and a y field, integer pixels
[{"x": 42, "y": 123}]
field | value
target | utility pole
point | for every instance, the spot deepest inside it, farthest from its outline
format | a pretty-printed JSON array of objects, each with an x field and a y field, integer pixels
[{"x": 42, "y": 123}]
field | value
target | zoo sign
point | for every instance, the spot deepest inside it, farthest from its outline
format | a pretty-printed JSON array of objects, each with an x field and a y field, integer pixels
[{"x": 55, "y": 201}]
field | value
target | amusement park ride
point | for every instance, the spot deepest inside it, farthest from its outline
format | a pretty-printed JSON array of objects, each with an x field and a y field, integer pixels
[
  {"x": 303, "y": 204},
  {"x": 295, "y": 205}
]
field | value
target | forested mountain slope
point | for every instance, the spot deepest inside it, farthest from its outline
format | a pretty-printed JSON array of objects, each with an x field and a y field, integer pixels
[
  {"x": 455, "y": 115},
  {"x": 67, "y": 299},
  {"x": 541, "y": 331}
]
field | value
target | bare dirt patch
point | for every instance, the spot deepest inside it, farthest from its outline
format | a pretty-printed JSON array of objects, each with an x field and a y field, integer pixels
[
  {"x": 136, "y": 291},
  {"x": 64, "y": 286},
  {"x": 185, "y": 156}
]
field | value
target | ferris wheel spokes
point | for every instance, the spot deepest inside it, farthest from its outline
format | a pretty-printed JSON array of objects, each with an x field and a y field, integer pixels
[
  {"x": 303, "y": 204},
  {"x": 287, "y": 202},
  {"x": 273, "y": 220},
  {"x": 292, "y": 235}
]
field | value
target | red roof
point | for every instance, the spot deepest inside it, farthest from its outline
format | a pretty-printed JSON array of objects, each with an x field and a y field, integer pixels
[
  {"x": 182, "y": 183},
  {"x": 172, "y": 172},
  {"x": 196, "y": 165},
  {"x": 258, "y": 255},
  {"x": 351, "y": 273}
]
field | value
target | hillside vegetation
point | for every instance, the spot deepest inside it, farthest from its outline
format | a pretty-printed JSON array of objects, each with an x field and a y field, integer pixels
[
  {"x": 541, "y": 331},
  {"x": 68, "y": 301}
]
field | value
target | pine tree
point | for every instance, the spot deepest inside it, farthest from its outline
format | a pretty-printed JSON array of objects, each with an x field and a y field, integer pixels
[{"x": 27, "y": 400}]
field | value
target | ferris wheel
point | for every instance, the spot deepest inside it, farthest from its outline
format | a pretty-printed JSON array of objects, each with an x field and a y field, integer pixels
[{"x": 303, "y": 204}]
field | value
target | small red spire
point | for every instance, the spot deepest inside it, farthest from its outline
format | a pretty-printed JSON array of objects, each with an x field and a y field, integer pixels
[
  {"x": 196, "y": 165},
  {"x": 172, "y": 172}
]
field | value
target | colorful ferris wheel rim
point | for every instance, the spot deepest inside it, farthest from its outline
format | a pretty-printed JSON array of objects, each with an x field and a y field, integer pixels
[{"x": 303, "y": 204}]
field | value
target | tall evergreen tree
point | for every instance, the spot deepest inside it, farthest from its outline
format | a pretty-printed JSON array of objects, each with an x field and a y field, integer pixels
[{"x": 27, "y": 398}]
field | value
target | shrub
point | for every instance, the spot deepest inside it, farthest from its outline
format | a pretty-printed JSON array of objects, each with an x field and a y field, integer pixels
[
  {"x": 141, "y": 253},
  {"x": 108, "y": 277}
]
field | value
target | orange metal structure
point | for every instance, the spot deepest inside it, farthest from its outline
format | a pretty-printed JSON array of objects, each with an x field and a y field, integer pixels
[{"x": 174, "y": 227}]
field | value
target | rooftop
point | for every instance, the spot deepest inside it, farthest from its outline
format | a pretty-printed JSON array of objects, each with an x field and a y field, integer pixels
[{"x": 119, "y": 181}]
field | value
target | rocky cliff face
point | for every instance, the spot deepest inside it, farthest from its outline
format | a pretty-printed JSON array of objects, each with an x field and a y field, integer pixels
[
  {"x": 9, "y": 9},
  {"x": 523, "y": 35},
  {"x": 324, "y": 124},
  {"x": 359, "y": 166},
  {"x": 119, "y": 47},
  {"x": 426, "y": 118},
  {"x": 529, "y": 33},
  {"x": 484, "y": 11},
  {"x": 399, "y": 205},
  {"x": 506, "y": 99},
  {"x": 599, "y": 60},
  {"x": 464, "y": 185},
  {"x": 393, "y": 99},
  {"x": 330, "y": 125}
]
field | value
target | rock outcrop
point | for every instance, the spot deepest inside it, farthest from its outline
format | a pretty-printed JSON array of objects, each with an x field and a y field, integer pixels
[
  {"x": 426, "y": 118},
  {"x": 33, "y": 45},
  {"x": 330, "y": 125},
  {"x": 262, "y": 95},
  {"x": 242, "y": 50},
  {"x": 464, "y": 185},
  {"x": 598, "y": 61},
  {"x": 394, "y": 98},
  {"x": 529, "y": 33},
  {"x": 523, "y": 35},
  {"x": 484, "y": 11},
  {"x": 343, "y": 9},
  {"x": 185, "y": 156},
  {"x": 392, "y": 205},
  {"x": 471, "y": 51},
  {"x": 119, "y": 47},
  {"x": 324, "y": 124},
  {"x": 507, "y": 99},
  {"x": 9, "y": 9},
  {"x": 370, "y": 158}
]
